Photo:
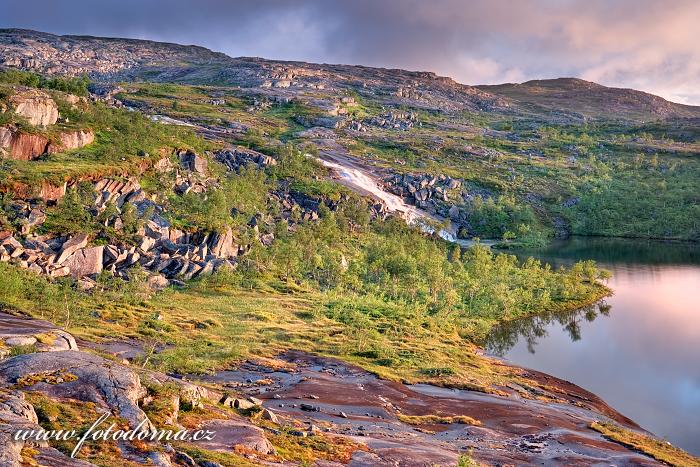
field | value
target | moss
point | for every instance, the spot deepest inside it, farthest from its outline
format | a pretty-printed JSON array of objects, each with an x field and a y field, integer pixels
[
  {"x": 53, "y": 377},
  {"x": 22, "y": 349},
  {"x": 28, "y": 455},
  {"x": 47, "y": 338},
  {"x": 660, "y": 450},
  {"x": 78, "y": 416},
  {"x": 438, "y": 419},
  {"x": 314, "y": 447}
]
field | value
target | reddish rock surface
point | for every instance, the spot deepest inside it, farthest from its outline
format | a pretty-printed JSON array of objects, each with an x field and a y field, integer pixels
[
  {"x": 21, "y": 146},
  {"x": 513, "y": 430}
]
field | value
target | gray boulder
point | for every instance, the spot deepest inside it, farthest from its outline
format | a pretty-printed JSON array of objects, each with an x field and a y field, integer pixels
[
  {"x": 85, "y": 262},
  {"x": 193, "y": 162},
  {"x": 71, "y": 246},
  {"x": 98, "y": 380},
  {"x": 15, "y": 413}
]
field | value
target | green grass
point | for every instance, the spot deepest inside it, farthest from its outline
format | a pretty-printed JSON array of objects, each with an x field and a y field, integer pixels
[
  {"x": 438, "y": 419},
  {"x": 656, "y": 448}
]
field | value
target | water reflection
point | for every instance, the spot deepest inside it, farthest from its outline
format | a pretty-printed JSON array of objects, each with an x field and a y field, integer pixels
[
  {"x": 617, "y": 253},
  {"x": 639, "y": 349},
  {"x": 531, "y": 329}
]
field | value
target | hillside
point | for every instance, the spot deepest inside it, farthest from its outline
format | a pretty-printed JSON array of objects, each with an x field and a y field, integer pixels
[
  {"x": 590, "y": 100},
  {"x": 127, "y": 59},
  {"x": 289, "y": 254}
]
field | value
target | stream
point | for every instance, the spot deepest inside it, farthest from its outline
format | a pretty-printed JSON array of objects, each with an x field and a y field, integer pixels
[
  {"x": 639, "y": 349},
  {"x": 365, "y": 182}
]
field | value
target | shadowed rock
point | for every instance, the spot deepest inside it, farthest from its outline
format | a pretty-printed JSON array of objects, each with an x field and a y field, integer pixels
[
  {"x": 46, "y": 337},
  {"x": 98, "y": 380}
]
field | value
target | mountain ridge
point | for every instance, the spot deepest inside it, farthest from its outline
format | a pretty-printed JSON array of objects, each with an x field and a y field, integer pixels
[{"x": 124, "y": 59}]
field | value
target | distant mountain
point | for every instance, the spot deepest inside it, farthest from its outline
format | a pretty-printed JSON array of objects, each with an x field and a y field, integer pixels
[
  {"x": 115, "y": 59},
  {"x": 130, "y": 59},
  {"x": 590, "y": 99}
]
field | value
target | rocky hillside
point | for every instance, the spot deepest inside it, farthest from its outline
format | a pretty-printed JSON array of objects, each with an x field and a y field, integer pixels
[
  {"x": 586, "y": 100},
  {"x": 125, "y": 59},
  {"x": 116, "y": 59}
]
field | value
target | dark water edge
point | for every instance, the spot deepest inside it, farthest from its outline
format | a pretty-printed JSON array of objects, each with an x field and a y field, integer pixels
[{"x": 638, "y": 349}]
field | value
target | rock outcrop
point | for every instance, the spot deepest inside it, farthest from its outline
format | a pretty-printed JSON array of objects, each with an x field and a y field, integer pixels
[
  {"x": 15, "y": 413},
  {"x": 94, "y": 378},
  {"x": 71, "y": 140},
  {"x": 36, "y": 106},
  {"x": 193, "y": 162},
  {"x": 237, "y": 157},
  {"x": 18, "y": 145},
  {"x": 42, "y": 335},
  {"x": 22, "y": 146}
]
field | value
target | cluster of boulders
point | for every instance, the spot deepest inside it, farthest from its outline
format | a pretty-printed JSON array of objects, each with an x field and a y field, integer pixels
[
  {"x": 422, "y": 188},
  {"x": 324, "y": 121},
  {"x": 239, "y": 156},
  {"x": 106, "y": 93},
  {"x": 168, "y": 254},
  {"x": 164, "y": 251},
  {"x": 396, "y": 120}
]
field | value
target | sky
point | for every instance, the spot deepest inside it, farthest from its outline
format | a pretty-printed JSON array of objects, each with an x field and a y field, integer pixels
[{"x": 650, "y": 45}]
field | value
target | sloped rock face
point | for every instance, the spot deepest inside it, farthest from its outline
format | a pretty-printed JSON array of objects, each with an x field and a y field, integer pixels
[
  {"x": 97, "y": 380},
  {"x": 15, "y": 414},
  {"x": 71, "y": 140},
  {"x": 232, "y": 434},
  {"x": 21, "y": 146},
  {"x": 49, "y": 192},
  {"x": 5, "y": 137},
  {"x": 15, "y": 330},
  {"x": 36, "y": 106}
]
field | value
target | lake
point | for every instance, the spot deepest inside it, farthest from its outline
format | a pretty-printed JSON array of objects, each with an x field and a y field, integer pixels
[{"x": 639, "y": 349}]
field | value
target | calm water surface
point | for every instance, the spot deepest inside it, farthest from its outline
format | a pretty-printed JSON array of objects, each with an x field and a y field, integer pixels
[{"x": 639, "y": 349}]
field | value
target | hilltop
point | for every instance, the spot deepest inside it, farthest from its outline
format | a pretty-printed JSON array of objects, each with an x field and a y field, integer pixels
[
  {"x": 590, "y": 100},
  {"x": 117, "y": 59}
]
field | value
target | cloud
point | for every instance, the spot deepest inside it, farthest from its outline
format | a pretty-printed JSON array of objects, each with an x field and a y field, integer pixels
[{"x": 650, "y": 45}]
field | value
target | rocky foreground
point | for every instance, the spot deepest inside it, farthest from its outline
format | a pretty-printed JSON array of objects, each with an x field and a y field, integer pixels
[{"x": 296, "y": 395}]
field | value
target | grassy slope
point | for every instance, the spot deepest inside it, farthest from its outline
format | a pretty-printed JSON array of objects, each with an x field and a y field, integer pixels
[
  {"x": 656, "y": 448},
  {"x": 614, "y": 178}
]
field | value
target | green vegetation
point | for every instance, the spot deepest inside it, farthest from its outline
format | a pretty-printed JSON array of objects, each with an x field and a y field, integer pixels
[
  {"x": 438, "y": 419},
  {"x": 78, "y": 416},
  {"x": 125, "y": 143},
  {"x": 378, "y": 293},
  {"x": 660, "y": 450},
  {"x": 611, "y": 179},
  {"x": 402, "y": 306},
  {"x": 77, "y": 86}
]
